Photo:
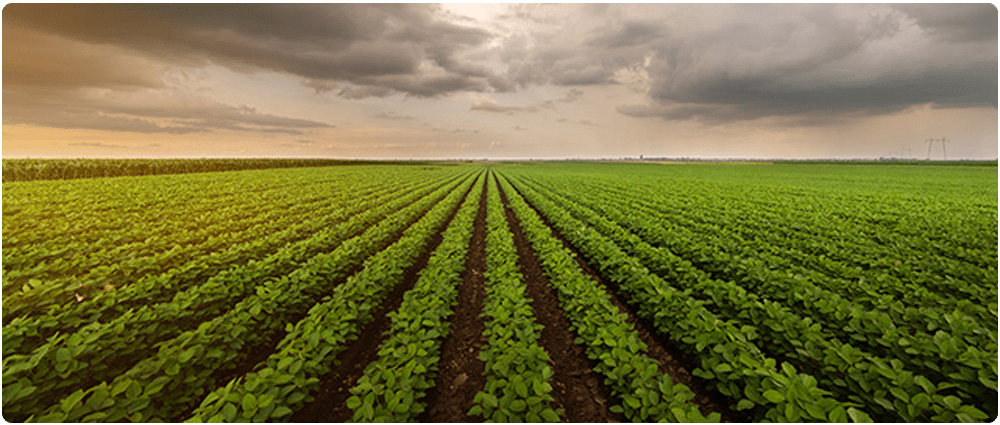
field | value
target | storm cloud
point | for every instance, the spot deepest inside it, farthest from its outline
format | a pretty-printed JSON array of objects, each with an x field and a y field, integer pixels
[
  {"x": 403, "y": 48},
  {"x": 794, "y": 61},
  {"x": 819, "y": 63},
  {"x": 955, "y": 22},
  {"x": 179, "y": 114},
  {"x": 521, "y": 79}
]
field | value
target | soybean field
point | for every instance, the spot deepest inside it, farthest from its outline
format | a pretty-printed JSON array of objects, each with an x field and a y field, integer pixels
[{"x": 503, "y": 291}]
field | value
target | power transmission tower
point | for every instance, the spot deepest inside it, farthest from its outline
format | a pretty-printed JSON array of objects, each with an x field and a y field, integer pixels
[{"x": 943, "y": 141}]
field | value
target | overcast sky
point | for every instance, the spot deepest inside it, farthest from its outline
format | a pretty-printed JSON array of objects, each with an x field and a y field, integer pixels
[{"x": 500, "y": 81}]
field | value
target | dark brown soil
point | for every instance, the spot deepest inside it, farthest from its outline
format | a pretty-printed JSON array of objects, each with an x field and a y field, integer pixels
[
  {"x": 460, "y": 371},
  {"x": 671, "y": 360},
  {"x": 261, "y": 352},
  {"x": 329, "y": 404},
  {"x": 576, "y": 388}
]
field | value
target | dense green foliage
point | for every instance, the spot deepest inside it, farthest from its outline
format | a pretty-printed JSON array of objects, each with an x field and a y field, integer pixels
[
  {"x": 517, "y": 387},
  {"x": 797, "y": 292},
  {"x": 894, "y": 340},
  {"x": 392, "y": 386},
  {"x": 84, "y": 168}
]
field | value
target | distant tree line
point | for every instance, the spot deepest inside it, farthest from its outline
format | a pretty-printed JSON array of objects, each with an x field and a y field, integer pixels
[{"x": 81, "y": 168}]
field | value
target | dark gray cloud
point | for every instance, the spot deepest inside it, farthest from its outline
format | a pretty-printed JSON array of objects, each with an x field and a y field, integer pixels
[
  {"x": 560, "y": 63},
  {"x": 37, "y": 59},
  {"x": 722, "y": 99},
  {"x": 181, "y": 115},
  {"x": 751, "y": 72},
  {"x": 376, "y": 46},
  {"x": 955, "y": 22},
  {"x": 55, "y": 56},
  {"x": 321, "y": 86},
  {"x": 806, "y": 64},
  {"x": 89, "y": 120},
  {"x": 586, "y": 48},
  {"x": 715, "y": 63},
  {"x": 626, "y": 34}
]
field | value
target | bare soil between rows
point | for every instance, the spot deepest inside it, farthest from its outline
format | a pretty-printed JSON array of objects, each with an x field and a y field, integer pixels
[
  {"x": 671, "y": 360},
  {"x": 330, "y": 403},
  {"x": 460, "y": 371},
  {"x": 576, "y": 388}
]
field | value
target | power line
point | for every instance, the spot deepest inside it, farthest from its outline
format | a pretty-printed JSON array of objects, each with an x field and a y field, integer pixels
[{"x": 943, "y": 141}]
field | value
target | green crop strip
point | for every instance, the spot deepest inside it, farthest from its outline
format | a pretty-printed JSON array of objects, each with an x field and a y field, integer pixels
[
  {"x": 806, "y": 292},
  {"x": 100, "y": 304},
  {"x": 102, "y": 349},
  {"x": 94, "y": 210},
  {"x": 867, "y": 288},
  {"x": 392, "y": 386},
  {"x": 201, "y": 351},
  {"x": 886, "y": 267},
  {"x": 517, "y": 371},
  {"x": 56, "y": 294},
  {"x": 868, "y": 223},
  {"x": 289, "y": 375},
  {"x": 739, "y": 366},
  {"x": 646, "y": 394},
  {"x": 945, "y": 358},
  {"x": 867, "y": 378}
]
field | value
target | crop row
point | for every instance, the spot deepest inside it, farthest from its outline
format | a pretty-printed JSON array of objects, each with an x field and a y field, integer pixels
[
  {"x": 517, "y": 369},
  {"x": 49, "y": 215},
  {"x": 105, "y": 249},
  {"x": 874, "y": 269},
  {"x": 856, "y": 226},
  {"x": 283, "y": 382},
  {"x": 724, "y": 349},
  {"x": 295, "y": 243},
  {"x": 246, "y": 310},
  {"x": 810, "y": 236},
  {"x": 392, "y": 386},
  {"x": 104, "y": 270},
  {"x": 279, "y": 285},
  {"x": 949, "y": 348},
  {"x": 201, "y": 299},
  {"x": 850, "y": 373},
  {"x": 646, "y": 395},
  {"x": 45, "y": 212},
  {"x": 878, "y": 250},
  {"x": 135, "y": 229}
]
